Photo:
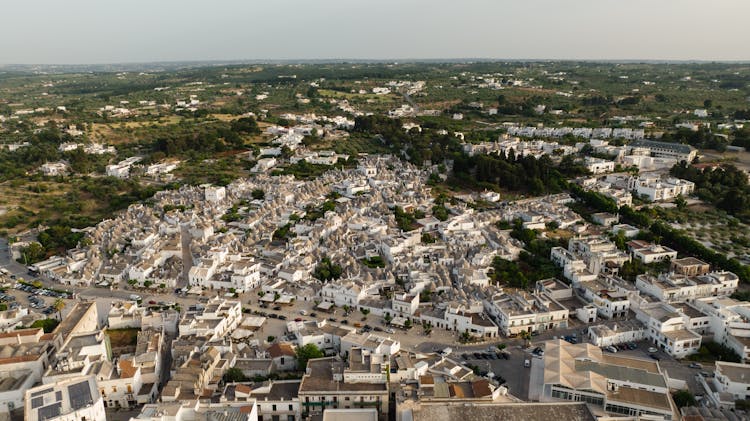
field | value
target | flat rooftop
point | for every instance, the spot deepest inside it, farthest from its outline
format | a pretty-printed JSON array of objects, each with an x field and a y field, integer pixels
[
  {"x": 640, "y": 397},
  {"x": 506, "y": 412},
  {"x": 321, "y": 379}
]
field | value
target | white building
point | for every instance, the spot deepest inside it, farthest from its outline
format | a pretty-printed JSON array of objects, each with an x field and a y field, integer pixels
[
  {"x": 672, "y": 287},
  {"x": 53, "y": 169},
  {"x": 215, "y": 193},
  {"x": 667, "y": 329},
  {"x": 598, "y": 165},
  {"x": 523, "y": 312},
  {"x": 650, "y": 253},
  {"x": 618, "y": 385},
  {"x": 70, "y": 399}
]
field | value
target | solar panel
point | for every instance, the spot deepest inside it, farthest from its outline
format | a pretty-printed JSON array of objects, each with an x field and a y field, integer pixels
[
  {"x": 37, "y": 402},
  {"x": 49, "y": 411},
  {"x": 79, "y": 395}
]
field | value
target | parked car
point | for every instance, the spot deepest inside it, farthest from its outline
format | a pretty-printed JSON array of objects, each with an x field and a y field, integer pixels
[
  {"x": 695, "y": 365},
  {"x": 273, "y": 316},
  {"x": 506, "y": 355},
  {"x": 651, "y": 349},
  {"x": 282, "y": 317},
  {"x": 378, "y": 329},
  {"x": 655, "y": 357},
  {"x": 527, "y": 363},
  {"x": 611, "y": 349},
  {"x": 632, "y": 345},
  {"x": 277, "y": 308},
  {"x": 344, "y": 322},
  {"x": 332, "y": 319}
]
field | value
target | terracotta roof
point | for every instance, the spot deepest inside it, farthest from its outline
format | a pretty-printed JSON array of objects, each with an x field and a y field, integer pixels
[
  {"x": 126, "y": 368},
  {"x": 21, "y": 332},
  {"x": 481, "y": 388},
  {"x": 242, "y": 388},
  {"x": 281, "y": 349},
  {"x": 426, "y": 380}
]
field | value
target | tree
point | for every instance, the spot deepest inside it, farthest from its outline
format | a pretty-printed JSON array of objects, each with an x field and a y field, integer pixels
[
  {"x": 59, "y": 305},
  {"x": 234, "y": 375},
  {"x": 680, "y": 202},
  {"x": 327, "y": 271},
  {"x": 683, "y": 398},
  {"x": 246, "y": 125},
  {"x": 365, "y": 311},
  {"x": 407, "y": 324},
  {"x": 388, "y": 318},
  {"x": 258, "y": 194},
  {"x": 47, "y": 324},
  {"x": 526, "y": 336},
  {"x": 305, "y": 353},
  {"x": 32, "y": 253}
]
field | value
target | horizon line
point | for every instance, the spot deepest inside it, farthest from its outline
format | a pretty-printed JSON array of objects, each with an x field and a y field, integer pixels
[{"x": 386, "y": 61}]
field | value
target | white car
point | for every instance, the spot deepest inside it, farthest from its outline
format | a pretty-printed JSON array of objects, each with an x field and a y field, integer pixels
[
  {"x": 611, "y": 349},
  {"x": 652, "y": 349}
]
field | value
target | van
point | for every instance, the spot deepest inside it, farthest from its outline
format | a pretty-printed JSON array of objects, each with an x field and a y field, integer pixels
[{"x": 527, "y": 363}]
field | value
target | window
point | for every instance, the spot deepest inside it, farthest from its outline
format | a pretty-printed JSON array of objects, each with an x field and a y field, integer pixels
[
  {"x": 291, "y": 408},
  {"x": 273, "y": 408}
]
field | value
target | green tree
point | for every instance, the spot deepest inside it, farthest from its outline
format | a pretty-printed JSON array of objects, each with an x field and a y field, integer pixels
[
  {"x": 32, "y": 253},
  {"x": 683, "y": 398},
  {"x": 680, "y": 202},
  {"x": 47, "y": 324},
  {"x": 234, "y": 375},
  {"x": 258, "y": 194},
  {"x": 59, "y": 305},
  {"x": 246, "y": 125},
  {"x": 305, "y": 353},
  {"x": 327, "y": 271}
]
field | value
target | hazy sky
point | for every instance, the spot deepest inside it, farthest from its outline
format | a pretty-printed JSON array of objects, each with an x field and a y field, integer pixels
[{"x": 105, "y": 31}]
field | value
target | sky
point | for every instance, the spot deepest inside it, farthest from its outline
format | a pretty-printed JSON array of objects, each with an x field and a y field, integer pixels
[{"x": 105, "y": 31}]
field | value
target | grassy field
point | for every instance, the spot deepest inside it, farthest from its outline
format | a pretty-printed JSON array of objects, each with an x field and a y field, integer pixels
[
  {"x": 351, "y": 96},
  {"x": 713, "y": 228}
]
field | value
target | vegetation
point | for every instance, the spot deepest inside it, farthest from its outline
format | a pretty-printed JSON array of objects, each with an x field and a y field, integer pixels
[
  {"x": 683, "y": 398},
  {"x": 407, "y": 221},
  {"x": 374, "y": 262},
  {"x": 327, "y": 271},
  {"x": 47, "y": 324},
  {"x": 726, "y": 186},
  {"x": 713, "y": 351},
  {"x": 234, "y": 375},
  {"x": 305, "y": 353}
]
